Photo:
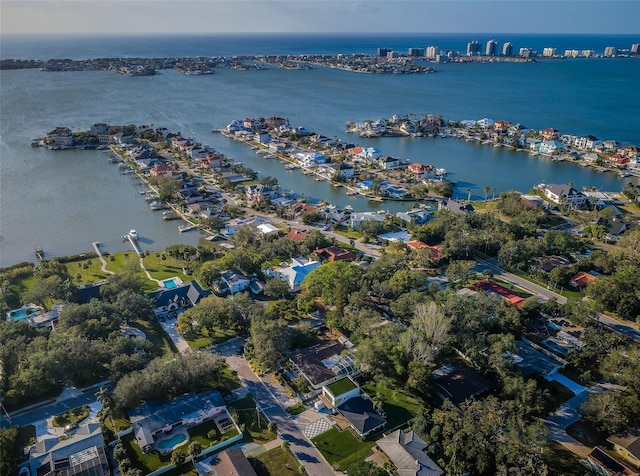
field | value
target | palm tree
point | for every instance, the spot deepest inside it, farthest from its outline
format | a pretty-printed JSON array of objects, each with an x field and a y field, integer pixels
[
  {"x": 486, "y": 191},
  {"x": 468, "y": 194},
  {"x": 493, "y": 192}
]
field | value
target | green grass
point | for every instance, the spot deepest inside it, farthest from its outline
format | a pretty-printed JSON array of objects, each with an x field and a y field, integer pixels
[
  {"x": 296, "y": 409},
  {"x": 399, "y": 406},
  {"x": 341, "y": 386},
  {"x": 167, "y": 268},
  {"x": 514, "y": 289},
  {"x": 72, "y": 416},
  {"x": 248, "y": 420},
  {"x": 344, "y": 231},
  {"x": 198, "y": 340},
  {"x": 156, "y": 336},
  {"x": 276, "y": 462},
  {"x": 199, "y": 433},
  {"x": 341, "y": 448},
  {"x": 88, "y": 274}
]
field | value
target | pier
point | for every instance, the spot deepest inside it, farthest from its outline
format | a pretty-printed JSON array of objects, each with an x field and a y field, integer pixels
[{"x": 134, "y": 242}]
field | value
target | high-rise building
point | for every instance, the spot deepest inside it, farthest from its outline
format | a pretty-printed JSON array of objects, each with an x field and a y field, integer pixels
[
  {"x": 549, "y": 52},
  {"x": 635, "y": 48},
  {"x": 392, "y": 54},
  {"x": 492, "y": 48},
  {"x": 610, "y": 51},
  {"x": 383, "y": 52},
  {"x": 473, "y": 48},
  {"x": 526, "y": 52},
  {"x": 416, "y": 52},
  {"x": 507, "y": 49},
  {"x": 432, "y": 52}
]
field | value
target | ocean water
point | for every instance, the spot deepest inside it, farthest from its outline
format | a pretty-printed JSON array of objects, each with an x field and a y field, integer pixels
[{"x": 65, "y": 200}]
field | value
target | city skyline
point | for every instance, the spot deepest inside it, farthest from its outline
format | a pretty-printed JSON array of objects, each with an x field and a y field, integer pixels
[{"x": 319, "y": 16}]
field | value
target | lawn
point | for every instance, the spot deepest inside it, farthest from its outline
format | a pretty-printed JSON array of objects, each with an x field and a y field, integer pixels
[
  {"x": 276, "y": 462},
  {"x": 165, "y": 268},
  {"x": 399, "y": 406},
  {"x": 198, "y": 340},
  {"x": 565, "y": 462},
  {"x": 156, "y": 336},
  {"x": 254, "y": 425},
  {"x": 71, "y": 417},
  {"x": 86, "y": 271},
  {"x": 341, "y": 448}
]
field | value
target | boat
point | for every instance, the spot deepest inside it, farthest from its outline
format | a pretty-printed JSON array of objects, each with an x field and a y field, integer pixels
[
  {"x": 183, "y": 228},
  {"x": 133, "y": 234},
  {"x": 375, "y": 199},
  {"x": 151, "y": 197},
  {"x": 352, "y": 192},
  {"x": 156, "y": 205},
  {"x": 441, "y": 172},
  {"x": 290, "y": 167},
  {"x": 624, "y": 174},
  {"x": 169, "y": 215}
]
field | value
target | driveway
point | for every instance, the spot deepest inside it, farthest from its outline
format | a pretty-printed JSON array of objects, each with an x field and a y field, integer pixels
[{"x": 268, "y": 397}]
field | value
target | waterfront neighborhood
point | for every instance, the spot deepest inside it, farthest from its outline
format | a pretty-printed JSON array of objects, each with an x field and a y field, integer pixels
[{"x": 327, "y": 340}]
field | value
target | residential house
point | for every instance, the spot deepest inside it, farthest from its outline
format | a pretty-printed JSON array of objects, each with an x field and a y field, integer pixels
[
  {"x": 99, "y": 128},
  {"x": 231, "y": 462},
  {"x": 82, "y": 453},
  {"x": 630, "y": 151},
  {"x": 617, "y": 160},
  {"x": 590, "y": 157},
  {"x": 609, "y": 145},
  {"x": 485, "y": 123},
  {"x": 531, "y": 143},
  {"x": 160, "y": 170},
  {"x": 420, "y": 170},
  {"x": 274, "y": 122},
  {"x": 550, "y": 147},
  {"x": 356, "y": 219},
  {"x": 338, "y": 392},
  {"x": 234, "y": 126},
  {"x": 454, "y": 206},
  {"x": 325, "y": 363},
  {"x": 501, "y": 126},
  {"x": 183, "y": 296},
  {"x": 549, "y": 263},
  {"x": 406, "y": 450},
  {"x": 627, "y": 446},
  {"x": 297, "y": 235},
  {"x": 267, "y": 228},
  {"x": 517, "y": 130},
  {"x": 435, "y": 251},
  {"x": 361, "y": 415},
  {"x": 495, "y": 289},
  {"x": 60, "y": 136},
  {"x": 334, "y": 253},
  {"x": 459, "y": 382},
  {"x": 388, "y": 163},
  {"x": 277, "y": 146},
  {"x": 154, "y": 418},
  {"x": 565, "y": 194},
  {"x": 550, "y": 133},
  {"x": 262, "y": 137},
  {"x": 582, "y": 279},
  {"x": 344, "y": 170},
  {"x": 190, "y": 195},
  {"x": 258, "y": 192},
  {"x": 296, "y": 272},
  {"x": 419, "y": 216},
  {"x": 586, "y": 142},
  {"x": 369, "y": 154},
  {"x": 310, "y": 159},
  {"x": 233, "y": 281},
  {"x": 212, "y": 161},
  {"x": 615, "y": 227},
  {"x": 603, "y": 462}
]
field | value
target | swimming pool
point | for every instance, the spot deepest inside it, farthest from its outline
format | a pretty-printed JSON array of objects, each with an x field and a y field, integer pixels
[
  {"x": 172, "y": 283},
  {"x": 172, "y": 442},
  {"x": 24, "y": 312}
]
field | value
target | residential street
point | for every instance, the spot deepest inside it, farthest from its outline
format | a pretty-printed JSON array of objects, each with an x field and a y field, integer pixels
[
  {"x": 628, "y": 328},
  {"x": 267, "y": 396}
]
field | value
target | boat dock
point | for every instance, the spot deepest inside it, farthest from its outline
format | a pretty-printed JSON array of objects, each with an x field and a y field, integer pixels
[{"x": 134, "y": 243}]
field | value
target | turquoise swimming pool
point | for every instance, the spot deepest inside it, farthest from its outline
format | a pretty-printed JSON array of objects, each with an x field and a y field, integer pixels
[
  {"x": 23, "y": 313},
  {"x": 172, "y": 283},
  {"x": 172, "y": 442}
]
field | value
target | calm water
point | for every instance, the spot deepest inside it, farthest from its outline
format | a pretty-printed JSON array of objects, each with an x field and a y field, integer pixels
[{"x": 65, "y": 200}]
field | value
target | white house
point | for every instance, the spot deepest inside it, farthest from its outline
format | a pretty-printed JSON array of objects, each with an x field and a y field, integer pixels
[
  {"x": 356, "y": 219},
  {"x": 296, "y": 272},
  {"x": 388, "y": 163},
  {"x": 310, "y": 159},
  {"x": 565, "y": 194},
  {"x": 369, "y": 153},
  {"x": 550, "y": 147},
  {"x": 267, "y": 228},
  {"x": 234, "y": 281},
  {"x": 340, "y": 391}
]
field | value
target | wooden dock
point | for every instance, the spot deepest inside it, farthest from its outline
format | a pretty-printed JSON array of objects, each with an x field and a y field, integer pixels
[{"x": 134, "y": 244}]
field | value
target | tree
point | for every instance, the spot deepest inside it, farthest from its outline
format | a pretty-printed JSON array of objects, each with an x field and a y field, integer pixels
[
  {"x": 486, "y": 191},
  {"x": 365, "y": 468},
  {"x": 195, "y": 448},
  {"x": 178, "y": 457},
  {"x": 276, "y": 288},
  {"x": 428, "y": 334},
  {"x": 9, "y": 451},
  {"x": 333, "y": 282},
  {"x": 612, "y": 411}
]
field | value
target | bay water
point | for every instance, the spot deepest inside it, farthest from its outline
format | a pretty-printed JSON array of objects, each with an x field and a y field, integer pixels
[{"x": 65, "y": 200}]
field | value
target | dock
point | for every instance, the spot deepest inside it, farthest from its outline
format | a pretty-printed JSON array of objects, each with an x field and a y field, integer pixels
[{"x": 134, "y": 243}]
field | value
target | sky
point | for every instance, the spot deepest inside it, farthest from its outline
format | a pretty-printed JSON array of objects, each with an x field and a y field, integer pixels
[{"x": 320, "y": 16}]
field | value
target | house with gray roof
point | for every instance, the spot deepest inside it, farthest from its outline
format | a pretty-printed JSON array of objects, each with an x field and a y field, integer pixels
[
  {"x": 233, "y": 281},
  {"x": 81, "y": 454},
  {"x": 407, "y": 452},
  {"x": 361, "y": 415},
  {"x": 181, "y": 297},
  {"x": 565, "y": 194},
  {"x": 154, "y": 418}
]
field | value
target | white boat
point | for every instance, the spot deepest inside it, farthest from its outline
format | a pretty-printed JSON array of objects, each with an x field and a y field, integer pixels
[
  {"x": 441, "y": 172},
  {"x": 156, "y": 205},
  {"x": 133, "y": 234},
  {"x": 183, "y": 228}
]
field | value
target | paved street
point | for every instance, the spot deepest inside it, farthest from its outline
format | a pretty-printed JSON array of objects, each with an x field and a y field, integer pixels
[
  {"x": 628, "y": 328},
  {"x": 267, "y": 396}
]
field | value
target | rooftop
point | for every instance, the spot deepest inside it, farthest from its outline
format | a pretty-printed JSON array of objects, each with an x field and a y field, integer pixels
[
  {"x": 458, "y": 382},
  {"x": 341, "y": 387}
]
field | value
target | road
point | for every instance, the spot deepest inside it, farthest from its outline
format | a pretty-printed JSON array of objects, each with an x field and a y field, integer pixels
[
  {"x": 267, "y": 397},
  {"x": 627, "y": 328}
]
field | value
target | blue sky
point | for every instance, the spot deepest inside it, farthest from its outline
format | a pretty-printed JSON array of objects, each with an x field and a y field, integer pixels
[{"x": 320, "y": 16}]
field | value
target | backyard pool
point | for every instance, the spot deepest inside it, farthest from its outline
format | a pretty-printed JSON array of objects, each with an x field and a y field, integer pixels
[
  {"x": 171, "y": 443},
  {"x": 172, "y": 283},
  {"x": 29, "y": 310}
]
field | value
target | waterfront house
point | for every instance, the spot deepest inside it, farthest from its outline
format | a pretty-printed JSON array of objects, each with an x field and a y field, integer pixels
[
  {"x": 501, "y": 126},
  {"x": 99, "y": 128},
  {"x": 344, "y": 170},
  {"x": 615, "y": 227},
  {"x": 485, "y": 123},
  {"x": 630, "y": 151},
  {"x": 163, "y": 171},
  {"x": 79, "y": 454},
  {"x": 212, "y": 161},
  {"x": 517, "y": 130},
  {"x": 277, "y": 146},
  {"x": 233, "y": 281},
  {"x": 388, "y": 163},
  {"x": 531, "y": 143},
  {"x": 591, "y": 157},
  {"x": 609, "y": 145},
  {"x": 234, "y": 126},
  {"x": 356, "y": 219},
  {"x": 419, "y": 216},
  {"x": 419, "y": 170},
  {"x": 190, "y": 195},
  {"x": 550, "y": 133},
  {"x": 325, "y": 363},
  {"x": 260, "y": 191},
  {"x": 197, "y": 153},
  {"x": 587, "y": 142},
  {"x": 409, "y": 127},
  {"x": 369, "y": 154},
  {"x": 550, "y": 147},
  {"x": 617, "y": 160},
  {"x": 565, "y": 194},
  {"x": 296, "y": 272},
  {"x": 154, "y": 418},
  {"x": 262, "y": 137},
  {"x": 406, "y": 450},
  {"x": 310, "y": 159},
  {"x": 184, "y": 296},
  {"x": 60, "y": 137}
]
